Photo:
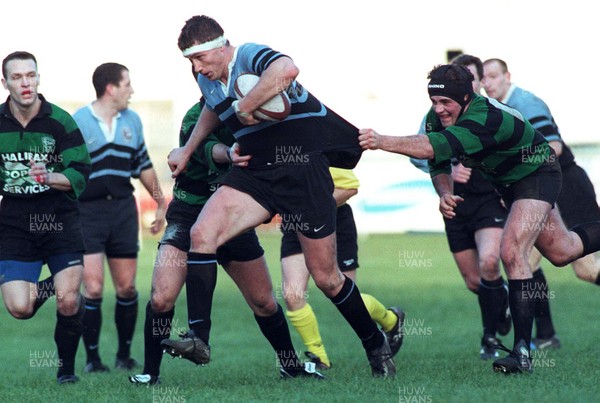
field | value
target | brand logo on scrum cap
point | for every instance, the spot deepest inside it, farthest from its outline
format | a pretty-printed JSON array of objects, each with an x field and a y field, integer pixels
[{"x": 436, "y": 86}]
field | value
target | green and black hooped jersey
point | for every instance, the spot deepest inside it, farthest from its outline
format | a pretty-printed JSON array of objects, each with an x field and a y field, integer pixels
[
  {"x": 489, "y": 137},
  {"x": 202, "y": 175},
  {"x": 51, "y": 137}
]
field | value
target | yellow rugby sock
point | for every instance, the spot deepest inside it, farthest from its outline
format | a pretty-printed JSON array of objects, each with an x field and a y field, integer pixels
[
  {"x": 305, "y": 322},
  {"x": 379, "y": 313}
]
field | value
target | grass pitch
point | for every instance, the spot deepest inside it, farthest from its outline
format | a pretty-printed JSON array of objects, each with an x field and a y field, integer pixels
[{"x": 439, "y": 361}]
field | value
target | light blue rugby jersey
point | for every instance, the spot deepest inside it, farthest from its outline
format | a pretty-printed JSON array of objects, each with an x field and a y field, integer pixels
[
  {"x": 535, "y": 110},
  {"x": 252, "y": 58},
  {"x": 311, "y": 126},
  {"x": 115, "y": 162}
]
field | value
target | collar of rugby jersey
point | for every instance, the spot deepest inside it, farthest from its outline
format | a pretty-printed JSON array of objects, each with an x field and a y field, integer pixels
[
  {"x": 508, "y": 94},
  {"x": 225, "y": 86},
  {"x": 109, "y": 133}
]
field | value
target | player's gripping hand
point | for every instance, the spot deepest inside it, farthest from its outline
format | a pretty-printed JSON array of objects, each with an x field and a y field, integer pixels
[
  {"x": 233, "y": 155},
  {"x": 448, "y": 203},
  {"x": 177, "y": 160},
  {"x": 369, "y": 139}
]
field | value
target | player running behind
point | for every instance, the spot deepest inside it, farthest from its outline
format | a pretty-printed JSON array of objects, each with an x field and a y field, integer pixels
[
  {"x": 577, "y": 200},
  {"x": 489, "y": 136},
  {"x": 44, "y": 167}
]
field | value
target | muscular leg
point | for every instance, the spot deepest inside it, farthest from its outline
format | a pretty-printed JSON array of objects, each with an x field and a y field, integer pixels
[
  {"x": 123, "y": 271},
  {"x": 492, "y": 291},
  {"x": 168, "y": 277},
  {"x": 227, "y": 213},
  {"x": 321, "y": 261},
  {"x": 295, "y": 277},
  {"x": 559, "y": 245},
  {"x": 19, "y": 298},
  {"x": 467, "y": 262},
  {"x": 253, "y": 280},
  {"x": 523, "y": 226}
]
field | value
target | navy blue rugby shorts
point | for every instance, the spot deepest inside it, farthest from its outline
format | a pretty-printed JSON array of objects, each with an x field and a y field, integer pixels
[
  {"x": 346, "y": 240},
  {"x": 300, "y": 192}
]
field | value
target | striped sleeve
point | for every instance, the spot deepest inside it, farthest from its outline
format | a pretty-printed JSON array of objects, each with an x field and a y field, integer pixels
[{"x": 257, "y": 58}]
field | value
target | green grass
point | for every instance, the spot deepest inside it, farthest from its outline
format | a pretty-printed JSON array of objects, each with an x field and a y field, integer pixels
[{"x": 439, "y": 361}]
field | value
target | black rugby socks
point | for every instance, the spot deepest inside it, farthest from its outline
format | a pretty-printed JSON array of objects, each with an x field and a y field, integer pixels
[
  {"x": 200, "y": 284},
  {"x": 590, "y": 236},
  {"x": 66, "y": 335},
  {"x": 543, "y": 318},
  {"x": 157, "y": 327},
  {"x": 92, "y": 322},
  {"x": 276, "y": 331},
  {"x": 125, "y": 319},
  {"x": 492, "y": 295},
  {"x": 522, "y": 308},
  {"x": 351, "y": 306}
]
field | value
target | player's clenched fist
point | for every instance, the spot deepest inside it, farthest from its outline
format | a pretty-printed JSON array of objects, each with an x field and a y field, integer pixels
[{"x": 369, "y": 139}]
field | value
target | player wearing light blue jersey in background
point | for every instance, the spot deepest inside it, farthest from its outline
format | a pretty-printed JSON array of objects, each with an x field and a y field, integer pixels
[
  {"x": 577, "y": 200},
  {"x": 114, "y": 136}
]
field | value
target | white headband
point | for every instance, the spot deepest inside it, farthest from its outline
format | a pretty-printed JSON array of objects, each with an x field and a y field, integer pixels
[{"x": 214, "y": 44}]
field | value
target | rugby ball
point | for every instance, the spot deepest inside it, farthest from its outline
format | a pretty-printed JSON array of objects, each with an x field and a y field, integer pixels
[{"x": 275, "y": 109}]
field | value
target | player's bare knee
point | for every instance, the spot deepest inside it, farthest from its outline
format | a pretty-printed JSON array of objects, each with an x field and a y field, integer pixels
[
  {"x": 490, "y": 264},
  {"x": 127, "y": 291},
  {"x": 264, "y": 306},
  {"x": 330, "y": 285},
  {"x": 472, "y": 284},
  {"x": 201, "y": 238},
  {"x": 512, "y": 256},
  {"x": 160, "y": 303},
  {"x": 21, "y": 312},
  {"x": 559, "y": 260},
  {"x": 294, "y": 298},
  {"x": 93, "y": 290},
  {"x": 68, "y": 304}
]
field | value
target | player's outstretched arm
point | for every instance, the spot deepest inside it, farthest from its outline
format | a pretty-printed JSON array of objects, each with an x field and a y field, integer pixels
[
  {"x": 417, "y": 146},
  {"x": 179, "y": 157}
]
